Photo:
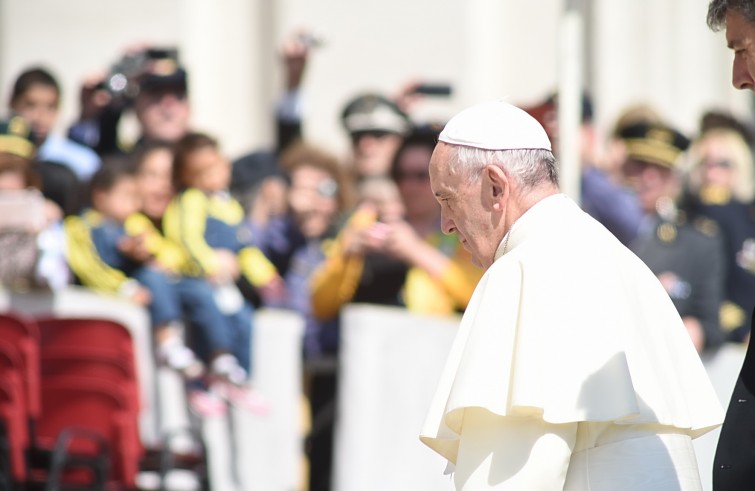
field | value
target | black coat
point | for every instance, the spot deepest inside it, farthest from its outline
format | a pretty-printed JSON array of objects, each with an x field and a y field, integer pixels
[{"x": 734, "y": 464}]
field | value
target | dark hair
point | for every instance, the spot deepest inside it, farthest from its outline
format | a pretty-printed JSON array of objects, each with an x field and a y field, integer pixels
[
  {"x": 305, "y": 154},
  {"x": 31, "y": 77},
  {"x": 422, "y": 136},
  {"x": 716, "y": 119},
  {"x": 146, "y": 148},
  {"x": 717, "y": 10},
  {"x": 113, "y": 170},
  {"x": 183, "y": 148}
]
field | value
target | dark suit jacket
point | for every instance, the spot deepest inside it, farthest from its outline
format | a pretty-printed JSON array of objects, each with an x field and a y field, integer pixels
[{"x": 734, "y": 464}]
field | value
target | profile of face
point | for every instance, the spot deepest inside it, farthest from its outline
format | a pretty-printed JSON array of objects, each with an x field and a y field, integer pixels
[
  {"x": 120, "y": 201},
  {"x": 154, "y": 181},
  {"x": 413, "y": 179},
  {"x": 207, "y": 169},
  {"x": 163, "y": 112},
  {"x": 466, "y": 208},
  {"x": 740, "y": 36},
  {"x": 373, "y": 152},
  {"x": 651, "y": 183},
  {"x": 38, "y": 105},
  {"x": 312, "y": 199}
]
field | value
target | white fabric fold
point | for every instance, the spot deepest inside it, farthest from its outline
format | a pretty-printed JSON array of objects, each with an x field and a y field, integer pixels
[{"x": 569, "y": 326}]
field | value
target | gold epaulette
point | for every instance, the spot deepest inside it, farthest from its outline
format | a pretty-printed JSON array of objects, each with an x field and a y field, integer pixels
[
  {"x": 715, "y": 195},
  {"x": 706, "y": 226}
]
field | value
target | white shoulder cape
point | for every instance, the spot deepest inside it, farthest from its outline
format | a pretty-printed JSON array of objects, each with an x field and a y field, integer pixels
[{"x": 570, "y": 326}]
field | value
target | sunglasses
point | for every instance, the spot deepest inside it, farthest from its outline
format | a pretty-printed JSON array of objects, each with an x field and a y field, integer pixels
[
  {"x": 357, "y": 135},
  {"x": 721, "y": 164}
]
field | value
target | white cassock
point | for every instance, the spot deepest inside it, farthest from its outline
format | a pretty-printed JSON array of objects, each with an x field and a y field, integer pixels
[{"x": 571, "y": 369}]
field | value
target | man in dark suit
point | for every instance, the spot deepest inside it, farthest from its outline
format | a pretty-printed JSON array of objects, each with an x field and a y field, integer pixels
[{"x": 734, "y": 464}]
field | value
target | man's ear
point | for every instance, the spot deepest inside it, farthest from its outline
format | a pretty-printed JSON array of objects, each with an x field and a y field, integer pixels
[{"x": 498, "y": 186}]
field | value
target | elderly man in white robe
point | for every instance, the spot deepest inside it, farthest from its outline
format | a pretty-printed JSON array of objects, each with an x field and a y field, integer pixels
[{"x": 571, "y": 368}]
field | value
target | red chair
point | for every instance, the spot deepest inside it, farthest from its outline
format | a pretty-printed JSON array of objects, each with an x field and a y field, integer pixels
[
  {"x": 23, "y": 332},
  {"x": 87, "y": 423},
  {"x": 91, "y": 362},
  {"x": 13, "y": 416},
  {"x": 90, "y": 347}
]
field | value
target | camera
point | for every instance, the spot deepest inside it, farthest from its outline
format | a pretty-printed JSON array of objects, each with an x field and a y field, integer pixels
[
  {"x": 430, "y": 89},
  {"x": 122, "y": 81}
]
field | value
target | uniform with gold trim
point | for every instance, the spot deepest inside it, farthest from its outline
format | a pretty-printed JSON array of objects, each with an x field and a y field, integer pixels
[
  {"x": 687, "y": 258},
  {"x": 684, "y": 251},
  {"x": 736, "y": 221}
]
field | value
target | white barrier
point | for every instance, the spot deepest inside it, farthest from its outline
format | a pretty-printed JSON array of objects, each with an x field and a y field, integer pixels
[
  {"x": 267, "y": 449},
  {"x": 390, "y": 363}
]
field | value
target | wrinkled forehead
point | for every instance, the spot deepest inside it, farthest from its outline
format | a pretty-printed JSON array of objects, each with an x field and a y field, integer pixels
[
  {"x": 439, "y": 161},
  {"x": 739, "y": 31}
]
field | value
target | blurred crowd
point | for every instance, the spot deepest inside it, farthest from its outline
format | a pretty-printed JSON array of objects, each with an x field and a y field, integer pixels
[{"x": 202, "y": 239}]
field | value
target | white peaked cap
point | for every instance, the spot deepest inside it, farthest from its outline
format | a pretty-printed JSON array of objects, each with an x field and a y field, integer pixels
[{"x": 495, "y": 125}]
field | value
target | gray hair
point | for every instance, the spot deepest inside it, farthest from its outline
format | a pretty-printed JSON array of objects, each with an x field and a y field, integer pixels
[
  {"x": 530, "y": 167},
  {"x": 717, "y": 10}
]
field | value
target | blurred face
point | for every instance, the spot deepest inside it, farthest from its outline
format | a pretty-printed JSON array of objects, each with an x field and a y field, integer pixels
[
  {"x": 163, "y": 113},
  {"x": 154, "y": 182},
  {"x": 120, "y": 201},
  {"x": 463, "y": 209},
  {"x": 413, "y": 179},
  {"x": 207, "y": 169},
  {"x": 312, "y": 198},
  {"x": 39, "y": 106},
  {"x": 12, "y": 181},
  {"x": 740, "y": 36},
  {"x": 374, "y": 151},
  {"x": 716, "y": 166},
  {"x": 651, "y": 183}
]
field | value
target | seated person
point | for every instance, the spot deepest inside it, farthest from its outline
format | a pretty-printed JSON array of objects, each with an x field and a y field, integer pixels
[
  {"x": 204, "y": 220},
  {"x": 105, "y": 258},
  {"x": 210, "y": 332},
  {"x": 31, "y": 235}
]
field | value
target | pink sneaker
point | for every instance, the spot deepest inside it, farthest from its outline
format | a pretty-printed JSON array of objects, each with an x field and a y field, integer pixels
[
  {"x": 207, "y": 403},
  {"x": 245, "y": 398}
]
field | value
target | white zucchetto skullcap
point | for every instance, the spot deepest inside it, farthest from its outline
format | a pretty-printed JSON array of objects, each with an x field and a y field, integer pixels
[{"x": 495, "y": 125}]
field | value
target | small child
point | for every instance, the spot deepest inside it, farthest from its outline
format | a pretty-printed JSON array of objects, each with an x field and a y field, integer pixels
[
  {"x": 36, "y": 98},
  {"x": 205, "y": 220},
  {"x": 105, "y": 258}
]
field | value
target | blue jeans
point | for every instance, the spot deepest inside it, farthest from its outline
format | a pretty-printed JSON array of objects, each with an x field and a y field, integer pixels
[
  {"x": 211, "y": 330},
  {"x": 165, "y": 306}
]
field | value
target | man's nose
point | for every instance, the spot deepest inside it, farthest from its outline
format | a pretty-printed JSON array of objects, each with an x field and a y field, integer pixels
[
  {"x": 446, "y": 225},
  {"x": 741, "y": 76}
]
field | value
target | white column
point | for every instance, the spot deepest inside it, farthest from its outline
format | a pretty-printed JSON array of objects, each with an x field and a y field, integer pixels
[
  {"x": 227, "y": 63},
  {"x": 570, "y": 69}
]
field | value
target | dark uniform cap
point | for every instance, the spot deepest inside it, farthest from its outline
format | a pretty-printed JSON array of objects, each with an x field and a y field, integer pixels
[
  {"x": 16, "y": 137},
  {"x": 654, "y": 143},
  {"x": 372, "y": 112},
  {"x": 164, "y": 71}
]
